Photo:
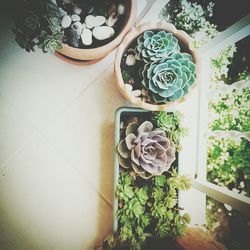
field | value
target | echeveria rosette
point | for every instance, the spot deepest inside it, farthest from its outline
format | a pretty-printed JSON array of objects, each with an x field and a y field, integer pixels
[
  {"x": 155, "y": 46},
  {"x": 49, "y": 43},
  {"x": 170, "y": 78},
  {"x": 148, "y": 151}
]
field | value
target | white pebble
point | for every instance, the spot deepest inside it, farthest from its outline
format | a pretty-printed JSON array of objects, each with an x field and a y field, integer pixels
[
  {"x": 77, "y": 26},
  {"x": 66, "y": 21},
  {"x": 144, "y": 92},
  {"x": 120, "y": 9},
  {"x": 86, "y": 36},
  {"x": 75, "y": 18},
  {"x": 128, "y": 87},
  {"x": 94, "y": 21},
  {"x": 103, "y": 32},
  {"x": 112, "y": 20},
  {"x": 77, "y": 10},
  {"x": 136, "y": 92},
  {"x": 130, "y": 60}
]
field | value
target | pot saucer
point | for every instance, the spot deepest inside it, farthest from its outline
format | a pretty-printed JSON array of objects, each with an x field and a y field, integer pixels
[{"x": 76, "y": 61}]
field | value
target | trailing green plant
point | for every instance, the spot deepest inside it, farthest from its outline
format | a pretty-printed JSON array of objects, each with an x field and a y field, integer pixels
[
  {"x": 39, "y": 24},
  {"x": 220, "y": 64},
  {"x": 149, "y": 208},
  {"x": 192, "y": 18},
  {"x": 231, "y": 111},
  {"x": 171, "y": 124},
  {"x": 228, "y": 163}
]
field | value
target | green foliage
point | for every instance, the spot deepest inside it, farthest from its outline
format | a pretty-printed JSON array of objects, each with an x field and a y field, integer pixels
[
  {"x": 192, "y": 18},
  {"x": 220, "y": 64},
  {"x": 39, "y": 24},
  {"x": 231, "y": 111},
  {"x": 149, "y": 208},
  {"x": 228, "y": 164},
  {"x": 171, "y": 124}
]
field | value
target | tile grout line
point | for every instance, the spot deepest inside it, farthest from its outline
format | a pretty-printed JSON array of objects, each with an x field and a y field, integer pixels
[{"x": 53, "y": 145}]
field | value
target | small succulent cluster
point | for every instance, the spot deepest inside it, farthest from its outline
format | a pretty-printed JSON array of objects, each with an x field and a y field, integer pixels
[
  {"x": 148, "y": 209},
  {"x": 39, "y": 24},
  {"x": 167, "y": 73},
  {"x": 148, "y": 151},
  {"x": 171, "y": 124}
]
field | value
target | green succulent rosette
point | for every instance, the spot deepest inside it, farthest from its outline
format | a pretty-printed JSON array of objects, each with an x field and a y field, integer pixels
[
  {"x": 155, "y": 46},
  {"x": 32, "y": 23},
  {"x": 49, "y": 43},
  {"x": 171, "y": 78}
]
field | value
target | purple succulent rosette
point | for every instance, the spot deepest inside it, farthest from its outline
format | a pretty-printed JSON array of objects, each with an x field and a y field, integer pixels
[{"x": 146, "y": 150}]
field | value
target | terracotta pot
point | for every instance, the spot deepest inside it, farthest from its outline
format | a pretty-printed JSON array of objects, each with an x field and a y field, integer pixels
[
  {"x": 184, "y": 39},
  {"x": 100, "y": 52}
]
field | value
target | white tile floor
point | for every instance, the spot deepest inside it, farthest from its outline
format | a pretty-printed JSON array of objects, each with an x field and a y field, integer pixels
[{"x": 56, "y": 148}]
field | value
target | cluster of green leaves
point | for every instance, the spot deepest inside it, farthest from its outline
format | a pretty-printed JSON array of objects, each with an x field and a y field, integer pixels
[
  {"x": 171, "y": 124},
  {"x": 149, "y": 207},
  {"x": 228, "y": 163},
  {"x": 192, "y": 18},
  {"x": 231, "y": 111},
  {"x": 220, "y": 64},
  {"x": 38, "y": 23}
]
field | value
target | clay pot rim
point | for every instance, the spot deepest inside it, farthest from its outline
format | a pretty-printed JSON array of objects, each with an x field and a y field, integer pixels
[
  {"x": 93, "y": 52},
  {"x": 181, "y": 35}
]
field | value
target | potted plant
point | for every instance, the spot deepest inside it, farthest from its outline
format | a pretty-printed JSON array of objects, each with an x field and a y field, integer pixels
[
  {"x": 156, "y": 65},
  {"x": 146, "y": 179},
  {"x": 79, "y": 29}
]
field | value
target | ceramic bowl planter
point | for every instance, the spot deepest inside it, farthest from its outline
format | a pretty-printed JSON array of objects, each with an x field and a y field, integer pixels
[
  {"x": 146, "y": 179},
  {"x": 156, "y": 66},
  {"x": 102, "y": 51}
]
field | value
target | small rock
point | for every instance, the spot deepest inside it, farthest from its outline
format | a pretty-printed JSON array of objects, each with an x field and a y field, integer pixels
[
  {"x": 136, "y": 92},
  {"x": 130, "y": 60},
  {"x": 111, "y": 9},
  {"x": 128, "y": 87},
  {"x": 73, "y": 38},
  {"x": 103, "y": 32},
  {"x": 77, "y": 10},
  {"x": 94, "y": 21},
  {"x": 144, "y": 92},
  {"x": 75, "y": 18},
  {"x": 77, "y": 26},
  {"x": 86, "y": 36},
  {"x": 121, "y": 9},
  {"x": 112, "y": 20},
  {"x": 121, "y": 124},
  {"x": 62, "y": 12},
  {"x": 66, "y": 21}
]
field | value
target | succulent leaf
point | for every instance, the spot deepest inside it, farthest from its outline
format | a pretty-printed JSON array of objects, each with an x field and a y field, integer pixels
[{"x": 171, "y": 78}]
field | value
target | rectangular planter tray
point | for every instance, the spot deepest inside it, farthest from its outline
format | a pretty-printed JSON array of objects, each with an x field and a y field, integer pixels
[{"x": 120, "y": 112}]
